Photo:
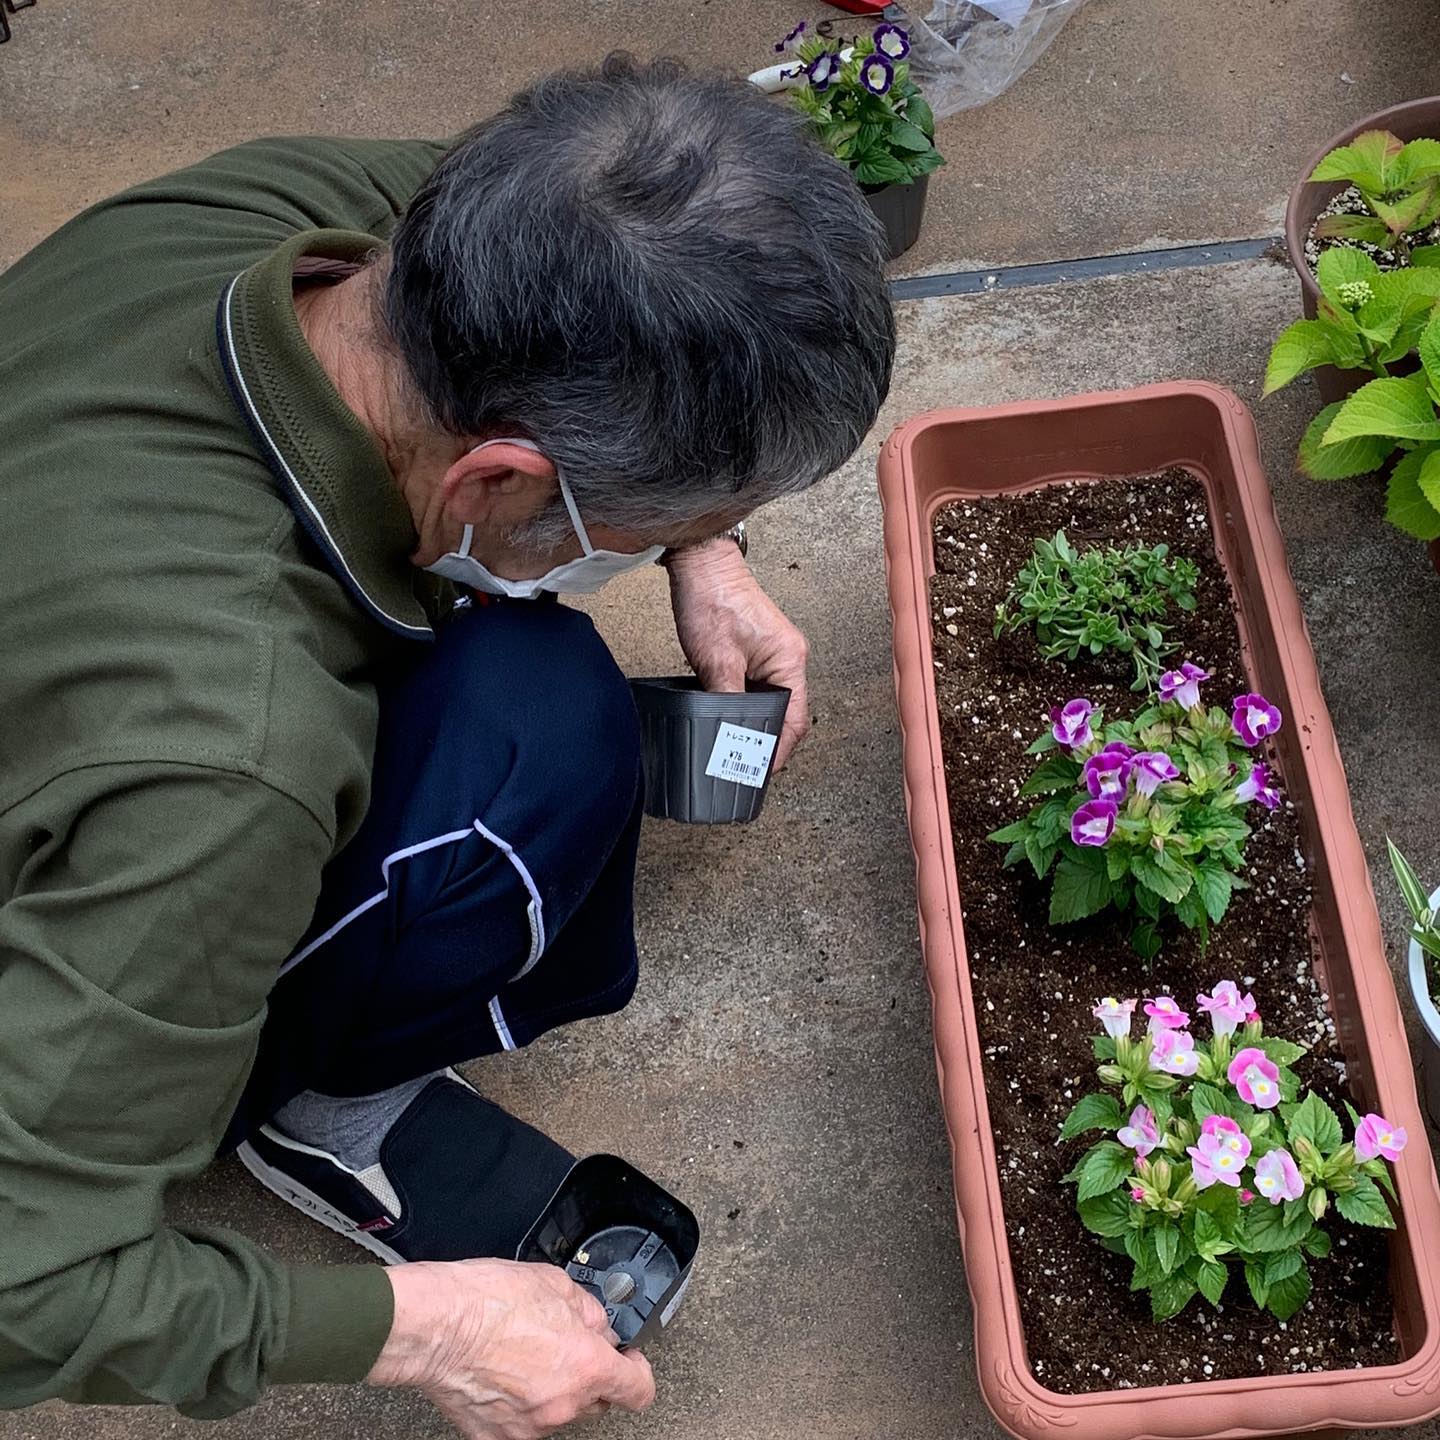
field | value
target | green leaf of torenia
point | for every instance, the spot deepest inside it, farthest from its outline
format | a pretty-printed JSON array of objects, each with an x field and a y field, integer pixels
[
  {"x": 1102, "y": 1168},
  {"x": 1059, "y": 772},
  {"x": 1211, "y": 1277},
  {"x": 1397, "y": 407},
  {"x": 1286, "y": 1296},
  {"x": 1406, "y": 505},
  {"x": 1348, "y": 458},
  {"x": 1080, "y": 888},
  {"x": 1215, "y": 886},
  {"x": 1365, "y": 1205},
  {"x": 1171, "y": 1295},
  {"x": 1167, "y": 1247},
  {"x": 1317, "y": 1243},
  {"x": 1108, "y": 1214},
  {"x": 1093, "y": 1112},
  {"x": 1281, "y": 1051},
  {"x": 1163, "y": 881},
  {"x": 1265, "y": 1229},
  {"x": 1255, "y": 1279}
]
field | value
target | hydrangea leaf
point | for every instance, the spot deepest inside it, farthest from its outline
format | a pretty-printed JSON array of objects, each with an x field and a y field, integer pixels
[
  {"x": 1424, "y": 257},
  {"x": 1398, "y": 407},
  {"x": 1366, "y": 228},
  {"x": 1342, "y": 265},
  {"x": 1407, "y": 213},
  {"x": 1428, "y": 477},
  {"x": 1429, "y": 348},
  {"x": 1340, "y": 462},
  {"x": 1368, "y": 161},
  {"x": 1406, "y": 505},
  {"x": 1093, "y": 1112},
  {"x": 1419, "y": 160},
  {"x": 1300, "y": 347}
]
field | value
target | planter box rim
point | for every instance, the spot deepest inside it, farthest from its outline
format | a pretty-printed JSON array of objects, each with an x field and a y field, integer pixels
[{"x": 1402, "y": 1393}]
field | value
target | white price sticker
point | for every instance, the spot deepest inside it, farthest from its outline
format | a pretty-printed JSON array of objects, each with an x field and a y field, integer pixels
[{"x": 741, "y": 756}]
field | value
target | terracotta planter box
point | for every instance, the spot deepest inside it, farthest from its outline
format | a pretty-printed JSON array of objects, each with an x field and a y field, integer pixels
[
  {"x": 955, "y": 454},
  {"x": 1411, "y": 121}
]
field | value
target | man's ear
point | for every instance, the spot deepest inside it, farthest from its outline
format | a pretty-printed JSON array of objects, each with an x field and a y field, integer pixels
[{"x": 498, "y": 482}]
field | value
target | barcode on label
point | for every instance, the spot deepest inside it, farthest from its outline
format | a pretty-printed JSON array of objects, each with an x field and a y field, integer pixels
[{"x": 741, "y": 756}]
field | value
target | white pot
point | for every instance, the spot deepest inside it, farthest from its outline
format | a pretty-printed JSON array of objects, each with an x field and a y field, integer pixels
[{"x": 1430, "y": 1020}]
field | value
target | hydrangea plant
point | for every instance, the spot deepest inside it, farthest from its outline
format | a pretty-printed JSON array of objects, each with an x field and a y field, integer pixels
[
  {"x": 1400, "y": 185},
  {"x": 1146, "y": 815},
  {"x": 863, "y": 106},
  {"x": 1214, "y": 1160},
  {"x": 1102, "y": 598}
]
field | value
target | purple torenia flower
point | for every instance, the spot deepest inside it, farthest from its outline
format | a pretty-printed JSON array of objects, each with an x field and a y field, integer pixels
[
  {"x": 1107, "y": 775},
  {"x": 1165, "y": 1014},
  {"x": 877, "y": 74},
  {"x": 1183, "y": 685},
  {"x": 1094, "y": 822},
  {"x": 1254, "y": 718},
  {"x": 1174, "y": 1053},
  {"x": 1072, "y": 723},
  {"x": 891, "y": 41},
  {"x": 1256, "y": 1077},
  {"x": 1277, "y": 1177},
  {"x": 1115, "y": 1015},
  {"x": 1375, "y": 1135},
  {"x": 1140, "y": 1135},
  {"x": 1227, "y": 1007},
  {"x": 1152, "y": 768},
  {"x": 1227, "y": 1134},
  {"x": 781, "y": 46},
  {"x": 1257, "y": 786},
  {"x": 1213, "y": 1162},
  {"x": 823, "y": 69}
]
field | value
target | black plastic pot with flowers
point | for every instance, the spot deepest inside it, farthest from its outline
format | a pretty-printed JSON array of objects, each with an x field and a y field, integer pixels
[{"x": 865, "y": 109}]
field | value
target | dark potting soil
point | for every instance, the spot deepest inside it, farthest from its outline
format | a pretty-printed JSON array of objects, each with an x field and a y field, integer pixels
[
  {"x": 1034, "y": 986},
  {"x": 1350, "y": 202}
]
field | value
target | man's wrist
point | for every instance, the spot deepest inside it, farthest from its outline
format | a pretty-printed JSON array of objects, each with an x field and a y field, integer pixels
[{"x": 737, "y": 535}]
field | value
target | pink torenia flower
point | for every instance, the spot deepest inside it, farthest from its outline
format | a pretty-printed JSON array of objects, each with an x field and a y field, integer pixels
[
  {"x": 1375, "y": 1135},
  {"x": 1174, "y": 1052},
  {"x": 1165, "y": 1014},
  {"x": 1094, "y": 822},
  {"x": 1115, "y": 1015},
  {"x": 1152, "y": 768},
  {"x": 1183, "y": 685},
  {"x": 1137, "y": 1194},
  {"x": 1227, "y": 1007},
  {"x": 1256, "y": 1077},
  {"x": 1278, "y": 1177},
  {"x": 1212, "y": 1162},
  {"x": 1141, "y": 1134},
  {"x": 1072, "y": 723},
  {"x": 1226, "y": 1134},
  {"x": 1247, "y": 1196},
  {"x": 1257, "y": 786},
  {"x": 1254, "y": 718},
  {"x": 1107, "y": 775}
]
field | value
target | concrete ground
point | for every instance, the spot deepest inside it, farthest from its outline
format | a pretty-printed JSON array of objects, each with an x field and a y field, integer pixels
[{"x": 775, "y": 1067}]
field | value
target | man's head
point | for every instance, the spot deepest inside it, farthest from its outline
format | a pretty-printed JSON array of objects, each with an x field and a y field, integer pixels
[{"x": 657, "y": 278}]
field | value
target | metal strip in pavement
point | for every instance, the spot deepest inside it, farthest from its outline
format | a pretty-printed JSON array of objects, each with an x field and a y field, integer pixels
[{"x": 1060, "y": 272}]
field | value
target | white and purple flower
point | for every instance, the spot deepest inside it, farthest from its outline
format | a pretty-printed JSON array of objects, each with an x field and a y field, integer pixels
[
  {"x": 1115, "y": 1015},
  {"x": 1227, "y": 1134},
  {"x": 1165, "y": 1014},
  {"x": 877, "y": 74},
  {"x": 1151, "y": 769},
  {"x": 1141, "y": 1135},
  {"x": 891, "y": 41},
  {"x": 781, "y": 46},
  {"x": 1213, "y": 1162},
  {"x": 1254, "y": 718},
  {"x": 1072, "y": 723},
  {"x": 1376, "y": 1136},
  {"x": 1227, "y": 1007},
  {"x": 1183, "y": 685},
  {"x": 1257, "y": 786},
  {"x": 1277, "y": 1177},
  {"x": 1256, "y": 1077},
  {"x": 1174, "y": 1052},
  {"x": 1107, "y": 774},
  {"x": 823, "y": 69},
  {"x": 1094, "y": 822}
]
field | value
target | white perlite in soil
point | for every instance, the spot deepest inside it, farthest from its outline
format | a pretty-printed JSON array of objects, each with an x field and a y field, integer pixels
[{"x": 1351, "y": 202}]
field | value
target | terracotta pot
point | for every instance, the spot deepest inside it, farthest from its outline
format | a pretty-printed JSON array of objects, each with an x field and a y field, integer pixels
[
  {"x": 1410, "y": 121},
  {"x": 900, "y": 208},
  {"x": 953, "y": 454}
]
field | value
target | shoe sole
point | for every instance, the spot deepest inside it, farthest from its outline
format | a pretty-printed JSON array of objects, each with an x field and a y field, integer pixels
[{"x": 309, "y": 1203}]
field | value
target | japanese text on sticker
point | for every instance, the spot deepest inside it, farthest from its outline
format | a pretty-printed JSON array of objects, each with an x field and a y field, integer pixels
[{"x": 741, "y": 756}]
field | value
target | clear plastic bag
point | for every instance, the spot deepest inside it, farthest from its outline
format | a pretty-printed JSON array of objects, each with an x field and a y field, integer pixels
[{"x": 963, "y": 53}]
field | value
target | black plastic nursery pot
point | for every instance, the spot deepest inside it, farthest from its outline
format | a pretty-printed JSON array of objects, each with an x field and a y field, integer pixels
[
  {"x": 707, "y": 755},
  {"x": 900, "y": 209}
]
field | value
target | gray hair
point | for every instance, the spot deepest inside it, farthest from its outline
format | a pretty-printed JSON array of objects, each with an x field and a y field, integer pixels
[{"x": 658, "y": 278}]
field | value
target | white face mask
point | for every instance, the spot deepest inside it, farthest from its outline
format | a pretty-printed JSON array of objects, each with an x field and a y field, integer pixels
[{"x": 581, "y": 576}]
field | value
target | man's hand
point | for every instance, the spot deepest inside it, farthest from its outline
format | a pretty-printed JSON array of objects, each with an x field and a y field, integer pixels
[
  {"x": 731, "y": 631},
  {"x": 507, "y": 1351}
]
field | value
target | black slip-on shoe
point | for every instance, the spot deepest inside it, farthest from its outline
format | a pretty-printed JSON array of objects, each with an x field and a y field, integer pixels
[{"x": 458, "y": 1178}]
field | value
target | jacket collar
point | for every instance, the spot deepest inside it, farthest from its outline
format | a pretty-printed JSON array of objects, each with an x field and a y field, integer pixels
[{"x": 328, "y": 467}]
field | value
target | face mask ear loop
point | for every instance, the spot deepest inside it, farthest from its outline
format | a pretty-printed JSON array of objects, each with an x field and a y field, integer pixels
[
  {"x": 466, "y": 537},
  {"x": 575, "y": 519}
]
